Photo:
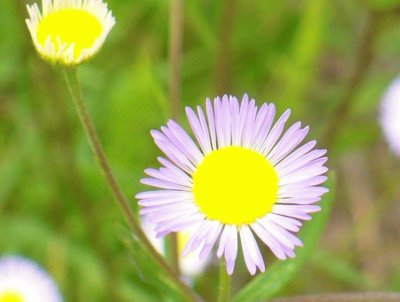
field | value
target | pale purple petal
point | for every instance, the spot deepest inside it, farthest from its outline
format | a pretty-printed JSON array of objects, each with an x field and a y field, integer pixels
[
  {"x": 199, "y": 129},
  {"x": 211, "y": 124},
  {"x": 231, "y": 248},
  {"x": 275, "y": 133},
  {"x": 274, "y": 245},
  {"x": 251, "y": 252}
]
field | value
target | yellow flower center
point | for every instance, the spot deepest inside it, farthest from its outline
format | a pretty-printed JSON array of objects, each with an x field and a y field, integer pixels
[
  {"x": 11, "y": 296},
  {"x": 71, "y": 26},
  {"x": 235, "y": 185}
]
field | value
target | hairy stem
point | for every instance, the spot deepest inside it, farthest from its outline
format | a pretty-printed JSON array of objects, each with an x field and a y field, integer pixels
[
  {"x": 71, "y": 78},
  {"x": 175, "y": 91},
  {"x": 224, "y": 290}
]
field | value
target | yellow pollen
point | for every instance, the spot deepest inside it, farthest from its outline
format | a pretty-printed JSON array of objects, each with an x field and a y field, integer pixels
[
  {"x": 11, "y": 296},
  {"x": 71, "y": 26},
  {"x": 235, "y": 185}
]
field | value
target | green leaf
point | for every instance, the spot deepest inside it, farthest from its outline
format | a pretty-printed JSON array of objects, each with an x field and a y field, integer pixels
[{"x": 280, "y": 273}]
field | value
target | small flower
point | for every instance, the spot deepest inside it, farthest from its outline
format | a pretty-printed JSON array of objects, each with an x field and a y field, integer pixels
[
  {"x": 190, "y": 265},
  {"x": 22, "y": 280},
  {"x": 243, "y": 178},
  {"x": 69, "y": 32},
  {"x": 390, "y": 116}
]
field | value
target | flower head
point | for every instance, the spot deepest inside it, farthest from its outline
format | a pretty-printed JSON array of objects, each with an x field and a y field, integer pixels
[
  {"x": 69, "y": 32},
  {"x": 390, "y": 116},
  {"x": 244, "y": 178},
  {"x": 22, "y": 280}
]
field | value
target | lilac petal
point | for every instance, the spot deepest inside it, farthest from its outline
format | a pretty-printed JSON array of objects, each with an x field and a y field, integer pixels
[
  {"x": 196, "y": 238},
  {"x": 274, "y": 245},
  {"x": 307, "y": 183},
  {"x": 288, "y": 136},
  {"x": 287, "y": 144},
  {"x": 200, "y": 133},
  {"x": 285, "y": 237},
  {"x": 226, "y": 121},
  {"x": 205, "y": 128},
  {"x": 251, "y": 252},
  {"x": 303, "y": 174},
  {"x": 165, "y": 209},
  {"x": 158, "y": 183},
  {"x": 179, "y": 224},
  {"x": 290, "y": 211},
  {"x": 231, "y": 248},
  {"x": 301, "y": 156},
  {"x": 176, "y": 156},
  {"x": 263, "y": 123},
  {"x": 168, "y": 175},
  {"x": 174, "y": 141},
  {"x": 296, "y": 154},
  {"x": 185, "y": 141},
  {"x": 212, "y": 237},
  {"x": 165, "y": 215},
  {"x": 172, "y": 168},
  {"x": 163, "y": 194},
  {"x": 311, "y": 158},
  {"x": 309, "y": 192},
  {"x": 266, "y": 127},
  {"x": 275, "y": 133},
  {"x": 160, "y": 201},
  {"x": 296, "y": 200},
  {"x": 289, "y": 252},
  {"x": 211, "y": 124},
  {"x": 218, "y": 123},
  {"x": 287, "y": 223},
  {"x": 248, "y": 127},
  {"x": 236, "y": 131},
  {"x": 222, "y": 241},
  {"x": 244, "y": 106}
]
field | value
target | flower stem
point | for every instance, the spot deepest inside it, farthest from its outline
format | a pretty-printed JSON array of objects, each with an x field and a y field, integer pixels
[
  {"x": 175, "y": 90},
  {"x": 72, "y": 81},
  {"x": 224, "y": 290}
]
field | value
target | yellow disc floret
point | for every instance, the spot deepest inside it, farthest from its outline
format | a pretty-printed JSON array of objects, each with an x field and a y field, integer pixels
[
  {"x": 235, "y": 185},
  {"x": 11, "y": 296},
  {"x": 70, "y": 26}
]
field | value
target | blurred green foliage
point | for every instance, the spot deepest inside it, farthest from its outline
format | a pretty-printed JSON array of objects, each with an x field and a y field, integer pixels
[{"x": 54, "y": 204}]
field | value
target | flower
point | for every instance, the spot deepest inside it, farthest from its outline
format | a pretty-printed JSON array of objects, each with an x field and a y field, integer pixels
[
  {"x": 22, "y": 280},
  {"x": 190, "y": 265},
  {"x": 243, "y": 178},
  {"x": 69, "y": 32},
  {"x": 390, "y": 116}
]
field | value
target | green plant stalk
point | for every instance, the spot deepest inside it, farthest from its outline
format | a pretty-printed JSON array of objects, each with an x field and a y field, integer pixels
[
  {"x": 224, "y": 289},
  {"x": 72, "y": 81},
  {"x": 175, "y": 91}
]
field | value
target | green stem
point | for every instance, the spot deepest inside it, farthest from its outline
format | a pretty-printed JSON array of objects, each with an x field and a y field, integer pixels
[
  {"x": 175, "y": 90},
  {"x": 224, "y": 290},
  {"x": 72, "y": 81}
]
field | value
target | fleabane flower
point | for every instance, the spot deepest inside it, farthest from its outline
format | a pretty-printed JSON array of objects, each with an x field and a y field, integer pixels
[
  {"x": 68, "y": 32},
  {"x": 245, "y": 178},
  {"x": 390, "y": 116},
  {"x": 22, "y": 280}
]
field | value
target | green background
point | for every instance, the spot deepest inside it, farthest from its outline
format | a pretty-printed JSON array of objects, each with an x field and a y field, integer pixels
[{"x": 308, "y": 55}]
